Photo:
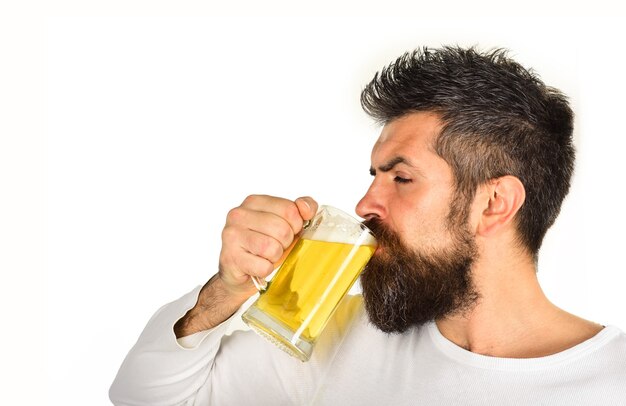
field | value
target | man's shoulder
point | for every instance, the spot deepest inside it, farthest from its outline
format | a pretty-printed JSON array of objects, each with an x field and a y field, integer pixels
[{"x": 610, "y": 343}]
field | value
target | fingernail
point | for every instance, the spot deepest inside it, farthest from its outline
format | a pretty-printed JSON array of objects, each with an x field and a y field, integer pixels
[{"x": 307, "y": 203}]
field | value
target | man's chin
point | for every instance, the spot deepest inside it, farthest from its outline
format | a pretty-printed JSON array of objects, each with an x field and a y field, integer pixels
[{"x": 404, "y": 287}]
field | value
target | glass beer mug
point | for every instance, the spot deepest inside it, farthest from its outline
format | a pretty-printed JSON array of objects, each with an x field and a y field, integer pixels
[{"x": 324, "y": 263}]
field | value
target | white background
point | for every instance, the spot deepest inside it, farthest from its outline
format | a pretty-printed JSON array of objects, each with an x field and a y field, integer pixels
[{"x": 132, "y": 129}]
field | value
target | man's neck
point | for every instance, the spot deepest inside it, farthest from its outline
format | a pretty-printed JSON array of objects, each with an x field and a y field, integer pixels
[{"x": 513, "y": 318}]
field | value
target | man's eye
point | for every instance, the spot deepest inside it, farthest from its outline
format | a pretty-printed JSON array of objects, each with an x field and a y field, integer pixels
[{"x": 398, "y": 179}]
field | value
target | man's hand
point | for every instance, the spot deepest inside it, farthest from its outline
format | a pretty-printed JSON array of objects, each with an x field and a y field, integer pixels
[{"x": 257, "y": 237}]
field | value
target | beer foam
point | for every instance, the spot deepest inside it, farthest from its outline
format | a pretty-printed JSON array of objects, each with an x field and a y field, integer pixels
[{"x": 338, "y": 227}]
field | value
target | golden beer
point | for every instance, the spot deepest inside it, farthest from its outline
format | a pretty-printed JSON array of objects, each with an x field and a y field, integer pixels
[
  {"x": 312, "y": 282},
  {"x": 307, "y": 288}
]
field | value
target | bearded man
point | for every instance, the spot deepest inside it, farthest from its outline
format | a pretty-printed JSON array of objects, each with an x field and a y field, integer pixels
[{"x": 473, "y": 162}]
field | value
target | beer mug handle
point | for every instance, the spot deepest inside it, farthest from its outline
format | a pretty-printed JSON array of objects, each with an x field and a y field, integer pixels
[{"x": 260, "y": 283}]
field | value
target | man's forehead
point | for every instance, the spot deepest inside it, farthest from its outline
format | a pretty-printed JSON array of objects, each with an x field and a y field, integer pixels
[{"x": 410, "y": 134}]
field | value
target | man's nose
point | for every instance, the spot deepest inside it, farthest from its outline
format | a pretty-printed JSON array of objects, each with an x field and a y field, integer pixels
[{"x": 372, "y": 205}]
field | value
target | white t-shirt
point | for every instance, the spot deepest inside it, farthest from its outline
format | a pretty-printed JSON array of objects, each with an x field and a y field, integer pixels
[{"x": 356, "y": 364}]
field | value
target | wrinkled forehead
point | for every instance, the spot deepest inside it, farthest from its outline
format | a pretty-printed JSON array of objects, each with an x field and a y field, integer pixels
[{"x": 413, "y": 134}]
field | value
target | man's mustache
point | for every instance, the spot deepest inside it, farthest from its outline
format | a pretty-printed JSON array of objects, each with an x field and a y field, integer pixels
[{"x": 383, "y": 233}]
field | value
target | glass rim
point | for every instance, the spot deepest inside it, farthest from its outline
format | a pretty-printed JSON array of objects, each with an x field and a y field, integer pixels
[{"x": 344, "y": 214}]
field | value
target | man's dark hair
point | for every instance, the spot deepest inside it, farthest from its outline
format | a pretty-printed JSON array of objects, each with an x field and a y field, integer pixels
[{"x": 498, "y": 119}]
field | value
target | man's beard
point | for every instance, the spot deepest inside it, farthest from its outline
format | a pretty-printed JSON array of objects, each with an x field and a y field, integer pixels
[{"x": 403, "y": 287}]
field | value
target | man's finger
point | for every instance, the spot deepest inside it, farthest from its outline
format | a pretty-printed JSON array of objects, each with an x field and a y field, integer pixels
[{"x": 307, "y": 207}]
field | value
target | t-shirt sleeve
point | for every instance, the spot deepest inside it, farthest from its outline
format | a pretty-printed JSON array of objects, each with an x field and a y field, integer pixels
[
  {"x": 228, "y": 364},
  {"x": 163, "y": 370}
]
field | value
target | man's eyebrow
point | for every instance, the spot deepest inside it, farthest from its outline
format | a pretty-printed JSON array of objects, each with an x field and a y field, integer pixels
[{"x": 390, "y": 164}]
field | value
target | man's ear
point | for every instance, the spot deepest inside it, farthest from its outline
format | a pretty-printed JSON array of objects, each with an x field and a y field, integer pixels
[{"x": 505, "y": 197}]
